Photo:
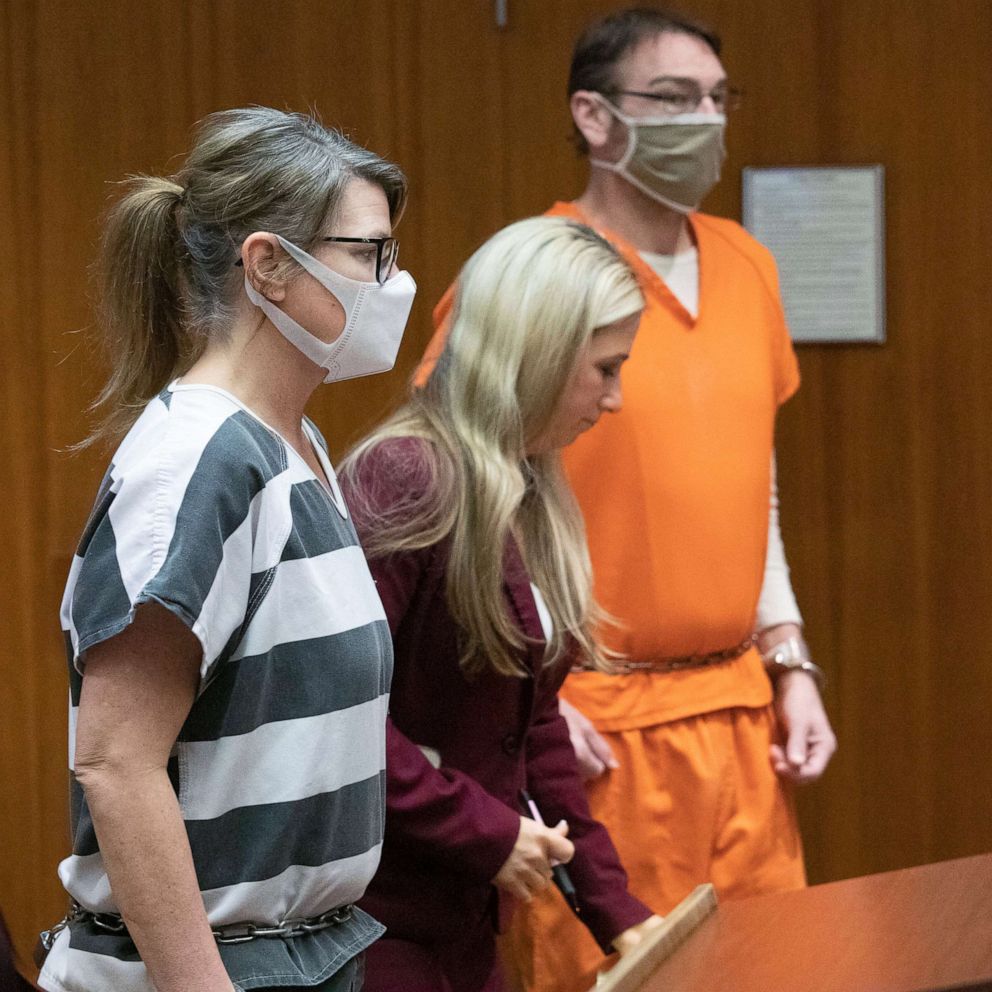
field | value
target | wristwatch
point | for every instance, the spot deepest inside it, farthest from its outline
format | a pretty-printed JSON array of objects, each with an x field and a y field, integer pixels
[{"x": 792, "y": 655}]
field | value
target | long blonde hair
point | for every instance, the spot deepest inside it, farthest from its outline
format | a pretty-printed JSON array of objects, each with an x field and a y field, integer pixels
[
  {"x": 526, "y": 303},
  {"x": 168, "y": 280}
]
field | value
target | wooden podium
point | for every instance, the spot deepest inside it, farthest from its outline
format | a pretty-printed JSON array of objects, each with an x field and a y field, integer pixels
[{"x": 917, "y": 930}]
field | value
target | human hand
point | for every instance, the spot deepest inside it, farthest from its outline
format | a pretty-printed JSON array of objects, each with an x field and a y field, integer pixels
[
  {"x": 809, "y": 740},
  {"x": 538, "y": 848},
  {"x": 632, "y": 936},
  {"x": 591, "y": 750}
]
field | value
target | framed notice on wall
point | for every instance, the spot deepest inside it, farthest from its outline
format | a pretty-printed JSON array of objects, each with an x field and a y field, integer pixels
[{"x": 825, "y": 226}]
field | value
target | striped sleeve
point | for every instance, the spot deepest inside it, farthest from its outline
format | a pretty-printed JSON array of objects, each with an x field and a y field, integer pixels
[{"x": 174, "y": 525}]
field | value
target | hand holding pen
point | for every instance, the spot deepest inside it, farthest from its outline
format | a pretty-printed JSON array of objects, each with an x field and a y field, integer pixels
[
  {"x": 559, "y": 873},
  {"x": 529, "y": 867}
]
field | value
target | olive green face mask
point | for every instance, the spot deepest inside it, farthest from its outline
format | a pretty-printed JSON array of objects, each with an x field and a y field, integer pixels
[{"x": 674, "y": 160}]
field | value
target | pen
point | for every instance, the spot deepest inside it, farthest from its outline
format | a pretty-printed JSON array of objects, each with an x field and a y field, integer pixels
[{"x": 559, "y": 874}]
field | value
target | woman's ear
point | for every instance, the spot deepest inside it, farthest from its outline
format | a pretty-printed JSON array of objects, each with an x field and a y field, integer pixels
[
  {"x": 592, "y": 118},
  {"x": 260, "y": 255}
]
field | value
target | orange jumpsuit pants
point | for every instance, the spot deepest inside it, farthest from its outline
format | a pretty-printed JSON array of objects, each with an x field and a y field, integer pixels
[{"x": 694, "y": 800}]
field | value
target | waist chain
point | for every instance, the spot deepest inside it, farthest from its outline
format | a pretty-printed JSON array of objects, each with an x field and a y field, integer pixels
[
  {"x": 681, "y": 662},
  {"x": 230, "y": 933}
]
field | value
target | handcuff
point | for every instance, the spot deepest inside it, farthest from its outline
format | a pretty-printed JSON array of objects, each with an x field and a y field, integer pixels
[{"x": 792, "y": 655}]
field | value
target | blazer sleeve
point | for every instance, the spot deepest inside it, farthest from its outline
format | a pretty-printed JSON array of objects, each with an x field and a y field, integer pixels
[
  {"x": 439, "y": 815},
  {"x": 444, "y": 816},
  {"x": 553, "y": 781}
]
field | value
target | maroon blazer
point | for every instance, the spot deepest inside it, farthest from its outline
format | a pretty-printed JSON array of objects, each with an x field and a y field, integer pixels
[{"x": 450, "y": 829}]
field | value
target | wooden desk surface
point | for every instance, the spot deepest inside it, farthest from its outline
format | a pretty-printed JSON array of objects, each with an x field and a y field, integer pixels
[{"x": 924, "y": 928}]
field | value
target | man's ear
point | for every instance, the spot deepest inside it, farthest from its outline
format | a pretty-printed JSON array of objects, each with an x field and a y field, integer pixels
[
  {"x": 261, "y": 254},
  {"x": 592, "y": 118}
]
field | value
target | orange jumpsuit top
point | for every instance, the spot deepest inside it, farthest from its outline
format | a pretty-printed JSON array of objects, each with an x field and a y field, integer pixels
[{"x": 675, "y": 487}]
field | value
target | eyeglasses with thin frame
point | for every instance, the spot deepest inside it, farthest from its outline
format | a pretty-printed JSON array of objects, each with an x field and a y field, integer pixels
[
  {"x": 387, "y": 250},
  {"x": 685, "y": 97}
]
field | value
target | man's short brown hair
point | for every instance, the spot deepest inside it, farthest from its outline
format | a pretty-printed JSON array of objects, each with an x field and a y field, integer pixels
[{"x": 605, "y": 42}]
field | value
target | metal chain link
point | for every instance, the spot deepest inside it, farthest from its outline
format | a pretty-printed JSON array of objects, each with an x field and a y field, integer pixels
[
  {"x": 231, "y": 933},
  {"x": 624, "y": 667}
]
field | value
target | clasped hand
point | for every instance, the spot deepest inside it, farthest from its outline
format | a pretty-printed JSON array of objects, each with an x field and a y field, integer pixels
[
  {"x": 537, "y": 849},
  {"x": 808, "y": 742}
]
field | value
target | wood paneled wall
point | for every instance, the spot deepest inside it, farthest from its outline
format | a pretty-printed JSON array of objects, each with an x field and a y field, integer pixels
[{"x": 884, "y": 455}]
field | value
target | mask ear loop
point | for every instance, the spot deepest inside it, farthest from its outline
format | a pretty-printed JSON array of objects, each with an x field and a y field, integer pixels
[
  {"x": 630, "y": 125},
  {"x": 620, "y": 167},
  {"x": 295, "y": 333},
  {"x": 628, "y": 122},
  {"x": 349, "y": 293}
]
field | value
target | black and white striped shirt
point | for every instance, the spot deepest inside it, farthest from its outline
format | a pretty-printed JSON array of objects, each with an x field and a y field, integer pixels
[{"x": 279, "y": 768}]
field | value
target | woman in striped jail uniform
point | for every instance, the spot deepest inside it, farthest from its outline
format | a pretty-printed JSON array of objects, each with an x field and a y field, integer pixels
[{"x": 229, "y": 656}]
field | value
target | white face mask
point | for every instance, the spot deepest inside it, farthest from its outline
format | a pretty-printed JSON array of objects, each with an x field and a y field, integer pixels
[
  {"x": 375, "y": 319},
  {"x": 674, "y": 160}
]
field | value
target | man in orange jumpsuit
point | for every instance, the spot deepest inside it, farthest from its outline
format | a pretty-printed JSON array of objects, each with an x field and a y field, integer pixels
[{"x": 692, "y": 748}]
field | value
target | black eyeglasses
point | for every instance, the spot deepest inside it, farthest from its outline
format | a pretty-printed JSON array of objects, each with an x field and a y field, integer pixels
[
  {"x": 387, "y": 250},
  {"x": 685, "y": 98}
]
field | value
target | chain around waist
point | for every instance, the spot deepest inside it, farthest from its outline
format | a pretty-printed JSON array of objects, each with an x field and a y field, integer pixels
[
  {"x": 231, "y": 933},
  {"x": 679, "y": 663}
]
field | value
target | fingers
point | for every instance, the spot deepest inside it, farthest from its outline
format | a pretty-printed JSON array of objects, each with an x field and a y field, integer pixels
[
  {"x": 807, "y": 765},
  {"x": 600, "y": 749},
  {"x": 559, "y": 849},
  {"x": 810, "y": 741},
  {"x": 528, "y": 868},
  {"x": 821, "y": 750},
  {"x": 592, "y": 753},
  {"x": 590, "y": 766},
  {"x": 528, "y": 883},
  {"x": 781, "y": 764},
  {"x": 796, "y": 750},
  {"x": 633, "y": 936}
]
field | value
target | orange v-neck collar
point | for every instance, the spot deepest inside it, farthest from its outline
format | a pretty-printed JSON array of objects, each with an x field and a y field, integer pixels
[{"x": 648, "y": 277}]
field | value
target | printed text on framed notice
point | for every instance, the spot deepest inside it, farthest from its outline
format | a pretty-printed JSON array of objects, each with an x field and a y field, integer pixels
[{"x": 825, "y": 226}]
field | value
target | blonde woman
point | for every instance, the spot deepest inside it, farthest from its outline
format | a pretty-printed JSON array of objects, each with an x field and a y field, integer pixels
[
  {"x": 229, "y": 657},
  {"x": 478, "y": 553}
]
